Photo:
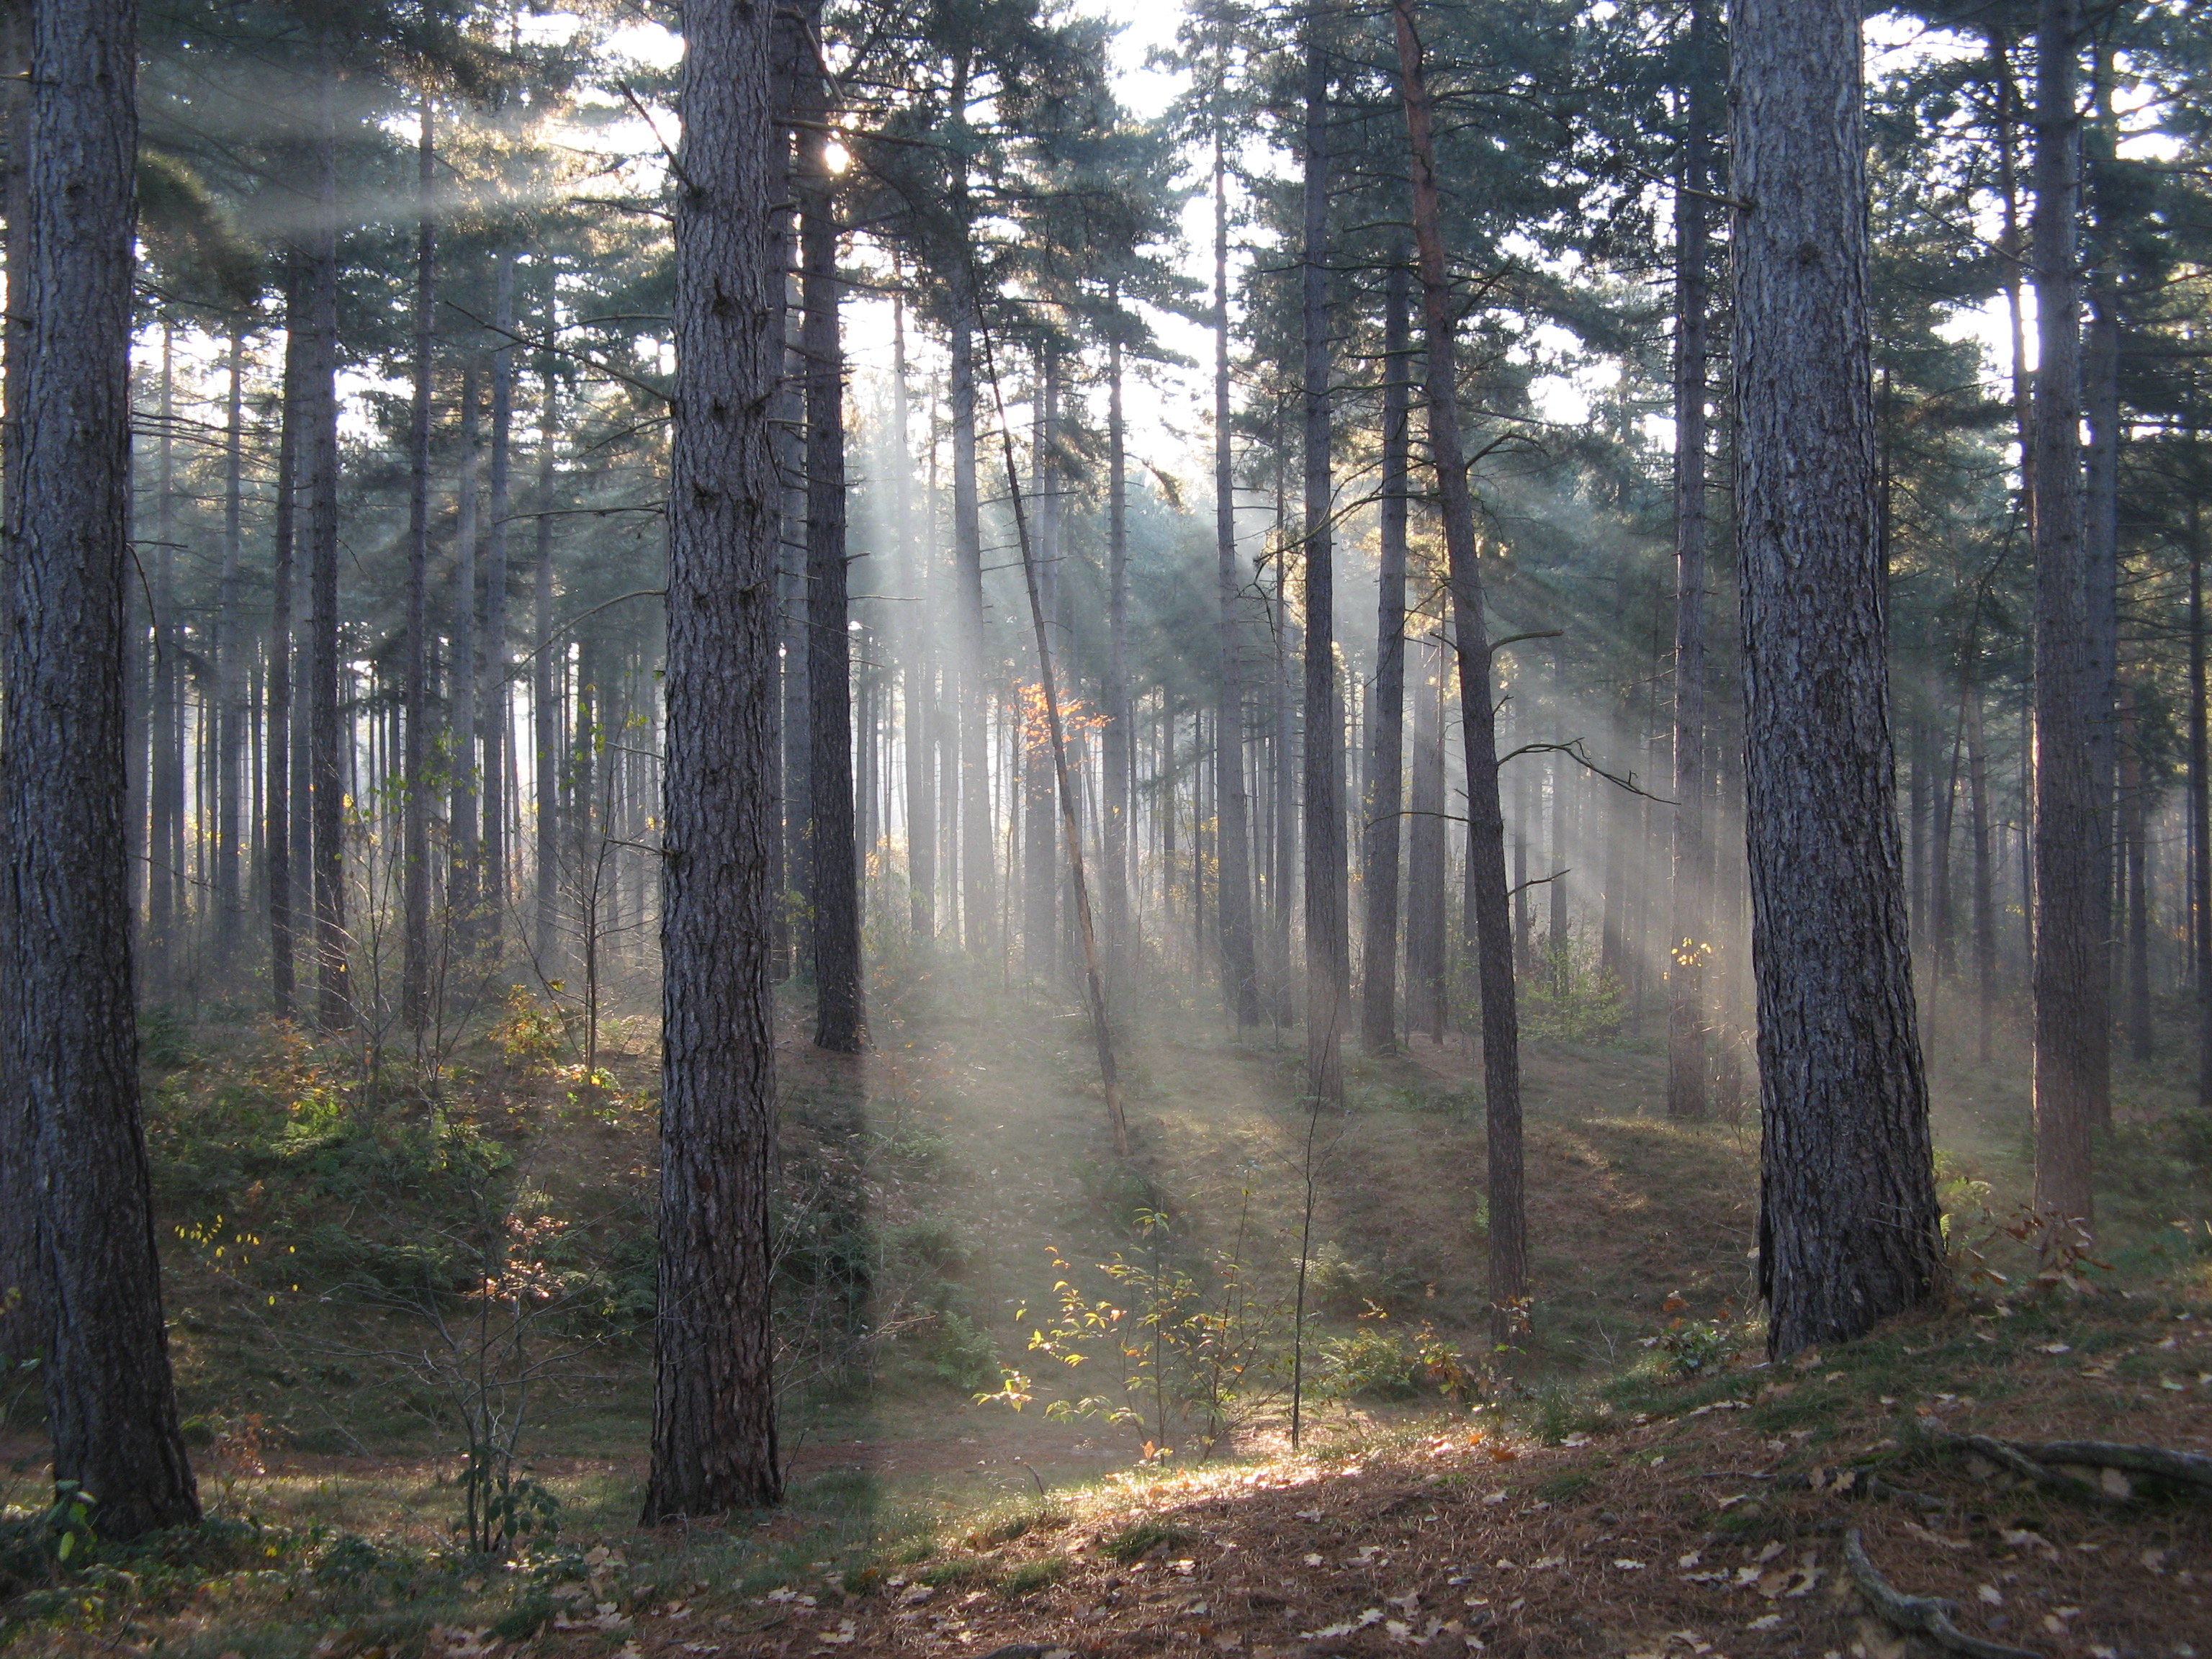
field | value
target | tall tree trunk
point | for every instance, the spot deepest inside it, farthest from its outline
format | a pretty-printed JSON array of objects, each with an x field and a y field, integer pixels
[
  {"x": 2072, "y": 1018},
  {"x": 1040, "y": 886},
  {"x": 714, "y": 1413},
  {"x": 545, "y": 698},
  {"x": 166, "y": 782},
  {"x": 921, "y": 782},
  {"x": 975, "y": 859},
  {"x": 840, "y": 1021},
  {"x": 1486, "y": 872},
  {"x": 326, "y": 762},
  {"x": 1689, "y": 1013},
  {"x": 1380, "y": 835},
  {"x": 415, "y": 855},
  {"x": 488, "y": 666},
  {"x": 1424, "y": 849},
  {"x": 1240, "y": 970},
  {"x": 1848, "y": 1222},
  {"x": 234, "y": 709},
  {"x": 2135, "y": 850},
  {"x": 21, "y": 1333},
  {"x": 1985, "y": 909},
  {"x": 2200, "y": 814},
  {"x": 1118, "y": 740},
  {"x": 72, "y": 1042},
  {"x": 1328, "y": 966},
  {"x": 277, "y": 805},
  {"x": 464, "y": 861},
  {"x": 2101, "y": 397}
]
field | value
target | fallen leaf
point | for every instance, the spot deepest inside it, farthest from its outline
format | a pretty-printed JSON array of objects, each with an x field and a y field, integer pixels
[{"x": 1990, "y": 1595}]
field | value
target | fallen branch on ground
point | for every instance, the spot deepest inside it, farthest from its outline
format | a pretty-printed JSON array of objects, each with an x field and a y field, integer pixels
[{"x": 1924, "y": 1615}]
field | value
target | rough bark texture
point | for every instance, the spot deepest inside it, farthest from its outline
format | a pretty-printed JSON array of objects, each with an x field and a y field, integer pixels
[
  {"x": 1040, "y": 867},
  {"x": 1385, "y": 765},
  {"x": 1328, "y": 944},
  {"x": 1485, "y": 878},
  {"x": 1120, "y": 727},
  {"x": 839, "y": 1024},
  {"x": 1687, "y": 1019},
  {"x": 714, "y": 1412},
  {"x": 2071, "y": 1020},
  {"x": 1848, "y": 1221},
  {"x": 72, "y": 1038},
  {"x": 1240, "y": 969},
  {"x": 488, "y": 666}
]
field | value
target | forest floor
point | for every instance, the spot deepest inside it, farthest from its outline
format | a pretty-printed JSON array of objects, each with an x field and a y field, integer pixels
[{"x": 1627, "y": 1480}]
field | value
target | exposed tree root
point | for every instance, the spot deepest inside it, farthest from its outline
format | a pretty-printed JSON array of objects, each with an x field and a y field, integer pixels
[
  {"x": 2189, "y": 1468},
  {"x": 1924, "y": 1615},
  {"x": 2008, "y": 1456}
]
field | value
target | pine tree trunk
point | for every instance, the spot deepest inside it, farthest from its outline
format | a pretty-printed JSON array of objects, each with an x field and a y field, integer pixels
[
  {"x": 21, "y": 1334},
  {"x": 1040, "y": 890},
  {"x": 2200, "y": 814},
  {"x": 415, "y": 855},
  {"x": 2071, "y": 1017},
  {"x": 2141, "y": 1040},
  {"x": 1985, "y": 918},
  {"x": 463, "y": 856},
  {"x": 234, "y": 709},
  {"x": 1485, "y": 894},
  {"x": 1380, "y": 835},
  {"x": 277, "y": 806},
  {"x": 840, "y": 1024},
  {"x": 1425, "y": 839},
  {"x": 72, "y": 1039},
  {"x": 920, "y": 780},
  {"x": 1689, "y": 1016},
  {"x": 713, "y": 1418},
  {"x": 487, "y": 664},
  {"x": 326, "y": 760},
  {"x": 1329, "y": 967},
  {"x": 1239, "y": 959},
  {"x": 1119, "y": 735},
  {"x": 1848, "y": 1225},
  {"x": 165, "y": 778},
  {"x": 545, "y": 705},
  {"x": 2100, "y": 388}
]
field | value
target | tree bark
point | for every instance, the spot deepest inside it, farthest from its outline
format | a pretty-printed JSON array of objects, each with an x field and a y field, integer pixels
[
  {"x": 326, "y": 765},
  {"x": 1485, "y": 874},
  {"x": 840, "y": 1024},
  {"x": 233, "y": 708},
  {"x": 165, "y": 774},
  {"x": 544, "y": 694},
  {"x": 1380, "y": 835},
  {"x": 713, "y": 1418},
  {"x": 1328, "y": 946},
  {"x": 487, "y": 666},
  {"x": 1688, "y": 1015},
  {"x": 415, "y": 854},
  {"x": 1848, "y": 1222},
  {"x": 2071, "y": 1020},
  {"x": 73, "y": 1059},
  {"x": 1425, "y": 839},
  {"x": 276, "y": 790},
  {"x": 1985, "y": 916},
  {"x": 1119, "y": 736},
  {"x": 1040, "y": 869},
  {"x": 921, "y": 782},
  {"x": 1240, "y": 972},
  {"x": 464, "y": 855}
]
